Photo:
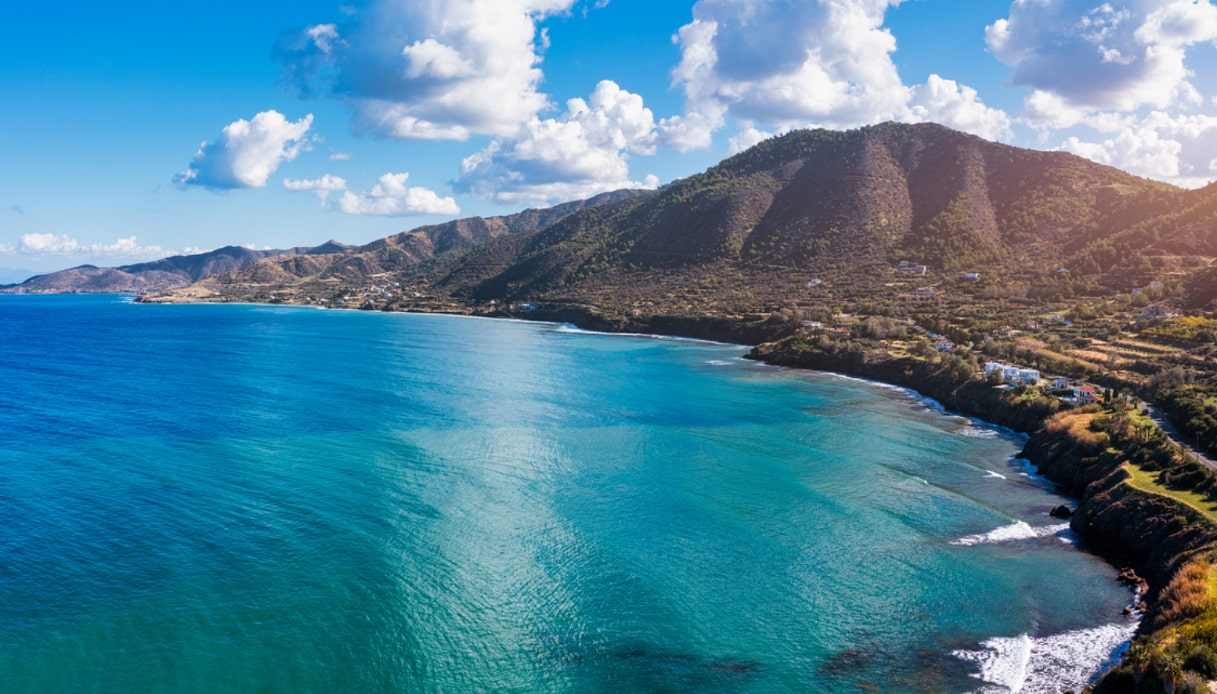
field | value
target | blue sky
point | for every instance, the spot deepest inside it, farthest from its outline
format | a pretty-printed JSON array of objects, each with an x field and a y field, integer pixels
[{"x": 129, "y": 133}]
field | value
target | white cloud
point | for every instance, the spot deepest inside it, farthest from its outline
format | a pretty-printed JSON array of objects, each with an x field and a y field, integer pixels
[
  {"x": 788, "y": 64},
  {"x": 428, "y": 70},
  {"x": 6, "y": 249},
  {"x": 340, "y": 156},
  {"x": 950, "y": 103},
  {"x": 1047, "y": 111},
  {"x": 247, "y": 152},
  {"x": 1079, "y": 56},
  {"x": 1180, "y": 23},
  {"x": 322, "y": 187},
  {"x": 62, "y": 244},
  {"x": 1176, "y": 149},
  {"x": 583, "y": 152},
  {"x": 747, "y": 138},
  {"x": 391, "y": 197}
]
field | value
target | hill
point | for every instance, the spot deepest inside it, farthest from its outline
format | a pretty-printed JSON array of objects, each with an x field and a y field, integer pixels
[
  {"x": 835, "y": 210},
  {"x": 355, "y": 266},
  {"x": 844, "y": 208},
  {"x": 159, "y": 275}
]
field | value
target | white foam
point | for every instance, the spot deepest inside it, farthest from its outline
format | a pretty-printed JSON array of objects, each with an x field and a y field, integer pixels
[
  {"x": 1018, "y": 530},
  {"x": 997, "y": 475},
  {"x": 1057, "y": 663},
  {"x": 979, "y": 432},
  {"x": 572, "y": 328}
]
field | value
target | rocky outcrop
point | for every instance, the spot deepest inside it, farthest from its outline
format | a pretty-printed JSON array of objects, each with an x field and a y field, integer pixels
[{"x": 1148, "y": 531}]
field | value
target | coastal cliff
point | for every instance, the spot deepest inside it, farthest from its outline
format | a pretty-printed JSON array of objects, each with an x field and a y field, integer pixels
[
  {"x": 947, "y": 378},
  {"x": 1145, "y": 523}
]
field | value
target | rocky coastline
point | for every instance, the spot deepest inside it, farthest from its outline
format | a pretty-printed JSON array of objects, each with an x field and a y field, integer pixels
[
  {"x": 1151, "y": 536},
  {"x": 1149, "y": 539},
  {"x": 1140, "y": 534}
]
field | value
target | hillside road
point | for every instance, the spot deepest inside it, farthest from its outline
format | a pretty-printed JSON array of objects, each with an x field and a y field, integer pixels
[{"x": 1173, "y": 434}]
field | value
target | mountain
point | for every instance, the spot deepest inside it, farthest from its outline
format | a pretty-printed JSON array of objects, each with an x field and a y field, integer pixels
[
  {"x": 356, "y": 265},
  {"x": 748, "y": 235},
  {"x": 841, "y": 203},
  {"x": 167, "y": 273}
]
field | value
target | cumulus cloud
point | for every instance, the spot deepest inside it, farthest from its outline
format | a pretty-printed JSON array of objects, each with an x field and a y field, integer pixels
[
  {"x": 786, "y": 63},
  {"x": 62, "y": 244},
  {"x": 247, "y": 152},
  {"x": 1176, "y": 149},
  {"x": 48, "y": 243},
  {"x": 322, "y": 187},
  {"x": 1077, "y": 54},
  {"x": 799, "y": 63},
  {"x": 391, "y": 197},
  {"x": 748, "y": 137},
  {"x": 340, "y": 156},
  {"x": 428, "y": 70},
  {"x": 950, "y": 103},
  {"x": 584, "y": 151}
]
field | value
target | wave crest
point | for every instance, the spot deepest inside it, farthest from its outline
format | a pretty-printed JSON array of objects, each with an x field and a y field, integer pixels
[
  {"x": 1062, "y": 662},
  {"x": 1018, "y": 530}
]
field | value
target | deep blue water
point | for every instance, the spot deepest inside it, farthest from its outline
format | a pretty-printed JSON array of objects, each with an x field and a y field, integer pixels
[{"x": 244, "y": 498}]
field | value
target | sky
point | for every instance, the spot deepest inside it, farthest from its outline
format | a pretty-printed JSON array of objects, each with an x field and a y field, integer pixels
[{"x": 131, "y": 131}]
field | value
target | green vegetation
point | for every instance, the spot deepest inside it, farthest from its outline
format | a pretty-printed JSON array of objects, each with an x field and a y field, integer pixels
[
  {"x": 1171, "y": 507},
  {"x": 1148, "y": 481},
  {"x": 1182, "y": 654},
  {"x": 1189, "y": 328}
]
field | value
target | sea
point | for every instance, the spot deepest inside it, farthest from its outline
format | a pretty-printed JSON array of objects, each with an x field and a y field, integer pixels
[{"x": 239, "y": 498}]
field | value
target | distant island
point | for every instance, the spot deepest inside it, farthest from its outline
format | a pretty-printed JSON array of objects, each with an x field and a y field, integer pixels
[{"x": 1037, "y": 290}]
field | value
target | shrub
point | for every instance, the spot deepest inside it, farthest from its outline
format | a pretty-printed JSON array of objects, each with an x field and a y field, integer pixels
[
  {"x": 1191, "y": 683},
  {"x": 1201, "y": 659},
  {"x": 1187, "y": 594}
]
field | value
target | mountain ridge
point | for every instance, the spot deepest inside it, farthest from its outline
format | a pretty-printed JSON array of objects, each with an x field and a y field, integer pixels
[
  {"x": 843, "y": 207},
  {"x": 157, "y": 275}
]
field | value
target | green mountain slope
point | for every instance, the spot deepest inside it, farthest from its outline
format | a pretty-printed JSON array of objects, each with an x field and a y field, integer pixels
[
  {"x": 398, "y": 253},
  {"x": 750, "y": 234},
  {"x": 824, "y": 202}
]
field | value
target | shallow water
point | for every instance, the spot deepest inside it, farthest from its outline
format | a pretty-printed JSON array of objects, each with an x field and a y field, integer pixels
[{"x": 284, "y": 499}]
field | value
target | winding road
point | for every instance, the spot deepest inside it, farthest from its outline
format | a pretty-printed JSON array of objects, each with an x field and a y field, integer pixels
[{"x": 1173, "y": 434}]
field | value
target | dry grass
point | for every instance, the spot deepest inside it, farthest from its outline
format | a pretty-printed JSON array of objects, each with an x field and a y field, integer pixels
[
  {"x": 1141, "y": 347},
  {"x": 1189, "y": 594},
  {"x": 1089, "y": 355},
  {"x": 1077, "y": 424}
]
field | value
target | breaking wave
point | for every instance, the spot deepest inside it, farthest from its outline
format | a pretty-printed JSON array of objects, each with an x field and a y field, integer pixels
[
  {"x": 1018, "y": 530},
  {"x": 1062, "y": 662}
]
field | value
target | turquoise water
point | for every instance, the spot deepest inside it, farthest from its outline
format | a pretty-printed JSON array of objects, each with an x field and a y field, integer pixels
[{"x": 242, "y": 498}]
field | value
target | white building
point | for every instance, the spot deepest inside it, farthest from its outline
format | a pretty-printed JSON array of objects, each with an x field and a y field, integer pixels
[{"x": 1013, "y": 374}]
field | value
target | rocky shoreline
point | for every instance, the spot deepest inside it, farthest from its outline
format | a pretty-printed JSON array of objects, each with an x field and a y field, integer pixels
[
  {"x": 1139, "y": 533},
  {"x": 1151, "y": 537}
]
